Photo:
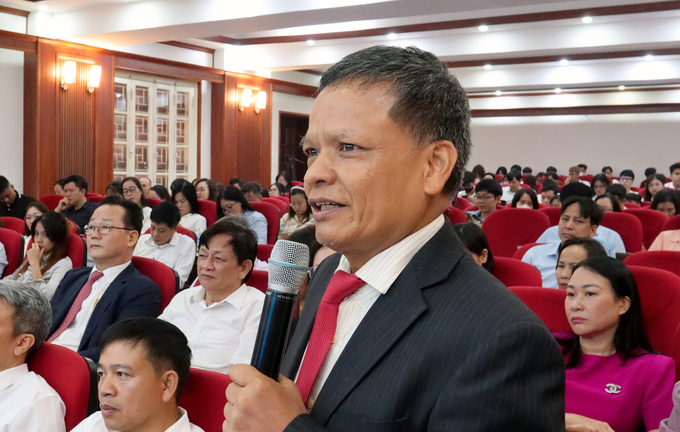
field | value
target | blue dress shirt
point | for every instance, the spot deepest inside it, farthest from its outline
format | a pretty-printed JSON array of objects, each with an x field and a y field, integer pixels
[
  {"x": 610, "y": 239},
  {"x": 544, "y": 258}
]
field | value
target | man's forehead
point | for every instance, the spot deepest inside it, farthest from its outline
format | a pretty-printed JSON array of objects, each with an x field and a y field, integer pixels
[{"x": 108, "y": 213}]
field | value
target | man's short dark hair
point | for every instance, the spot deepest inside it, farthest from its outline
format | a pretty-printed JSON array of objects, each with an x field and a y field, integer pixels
[
  {"x": 673, "y": 167},
  {"x": 576, "y": 189},
  {"x": 165, "y": 346},
  {"x": 514, "y": 175},
  {"x": 253, "y": 187},
  {"x": 527, "y": 170},
  {"x": 236, "y": 181},
  {"x": 650, "y": 171},
  {"x": 551, "y": 187},
  {"x": 4, "y": 183},
  {"x": 617, "y": 190},
  {"x": 582, "y": 166},
  {"x": 634, "y": 198},
  {"x": 516, "y": 168},
  {"x": 166, "y": 213},
  {"x": 79, "y": 181},
  {"x": 587, "y": 208},
  {"x": 550, "y": 169},
  {"x": 607, "y": 167},
  {"x": 429, "y": 100},
  {"x": 133, "y": 217},
  {"x": 627, "y": 173},
  {"x": 242, "y": 242},
  {"x": 490, "y": 186}
]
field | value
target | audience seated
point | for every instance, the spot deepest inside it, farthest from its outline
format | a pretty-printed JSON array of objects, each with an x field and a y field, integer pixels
[
  {"x": 476, "y": 244},
  {"x": 233, "y": 202},
  {"x": 613, "y": 377},
  {"x": 618, "y": 191},
  {"x": 146, "y": 185},
  {"x": 608, "y": 203},
  {"x": 186, "y": 201},
  {"x": 88, "y": 300},
  {"x": 132, "y": 190},
  {"x": 3, "y": 255},
  {"x": 159, "y": 192},
  {"x": 487, "y": 196},
  {"x": 633, "y": 198},
  {"x": 583, "y": 168},
  {"x": 666, "y": 201},
  {"x": 251, "y": 191},
  {"x": 46, "y": 261},
  {"x": 549, "y": 192},
  {"x": 514, "y": 179},
  {"x": 33, "y": 210},
  {"x": 165, "y": 244},
  {"x": 277, "y": 189},
  {"x": 574, "y": 176},
  {"x": 238, "y": 183},
  {"x": 27, "y": 402},
  {"x": 13, "y": 203},
  {"x": 525, "y": 198},
  {"x": 579, "y": 217},
  {"x": 653, "y": 186},
  {"x": 299, "y": 215},
  {"x": 221, "y": 316},
  {"x": 609, "y": 172},
  {"x": 206, "y": 190},
  {"x": 667, "y": 241},
  {"x": 626, "y": 179},
  {"x": 75, "y": 205},
  {"x": 570, "y": 253},
  {"x": 59, "y": 187},
  {"x": 675, "y": 177},
  {"x": 115, "y": 188},
  {"x": 600, "y": 184},
  {"x": 285, "y": 179},
  {"x": 143, "y": 367}
]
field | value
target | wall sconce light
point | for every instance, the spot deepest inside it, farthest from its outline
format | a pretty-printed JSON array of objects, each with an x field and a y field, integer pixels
[
  {"x": 246, "y": 96},
  {"x": 261, "y": 101},
  {"x": 95, "y": 77},
  {"x": 68, "y": 75}
]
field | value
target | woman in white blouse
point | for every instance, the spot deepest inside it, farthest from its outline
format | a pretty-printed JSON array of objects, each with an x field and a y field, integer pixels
[
  {"x": 132, "y": 190},
  {"x": 299, "y": 215},
  {"x": 186, "y": 201},
  {"x": 46, "y": 261}
]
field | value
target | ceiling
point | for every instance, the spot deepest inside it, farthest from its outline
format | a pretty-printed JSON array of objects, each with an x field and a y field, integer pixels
[{"x": 519, "y": 50}]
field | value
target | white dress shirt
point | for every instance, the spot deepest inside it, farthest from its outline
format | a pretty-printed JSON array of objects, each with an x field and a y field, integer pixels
[
  {"x": 669, "y": 185},
  {"x": 379, "y": 273},
  {"x": 146, "y": 223},
  {"x": 178, "y": 254},
  {"x": 3, "y": 258},
  {"x": 222, "y": 334},
  {"x": 50, "y": 279},
  {"x": 28, "y": 403},
  {"x": 95, "y": 423},
  {"x": 194, "y": 222},
  {"x": 70, "y": 338}
]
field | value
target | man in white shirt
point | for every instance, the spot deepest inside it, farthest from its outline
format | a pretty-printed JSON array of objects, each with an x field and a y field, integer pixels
[
  {"x": 675, "y": 177},
  {"x": 165, "y": 244},
  {"x": 142, "y": 370},
  {"x": 514, "y": 185},
  {"x": 220, "y": 317},
  {"x": 27, "y": 402}
]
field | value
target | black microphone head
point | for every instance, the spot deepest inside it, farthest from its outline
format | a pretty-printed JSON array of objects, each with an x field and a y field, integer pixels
[{"x": 288, "y": 266}]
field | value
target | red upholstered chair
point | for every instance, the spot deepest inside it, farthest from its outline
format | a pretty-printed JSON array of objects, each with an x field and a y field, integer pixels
[
  {"x": 627, "y": 226},
  {"x": 285, "y": 199},
  {"x": 663, "y": 260},
  {"x": 153, "y": 202},
  {"x": 499, "y": 177},
  {"x": 69, "y": 375},
  {"x": 645, "y": 204},
  {"x": 672, "y": 223},
  {"x": 208, "y": 209},
  {"x": 521, "y": 251},
  {"x": 264, "y": 251},
  {"x": 516, "y": 273},
  {"x": 77, "y": 250},
  {"x": 283, "y": 208},
  {"x": 631, "y": 205},
  {"x": 14, "y": 248},
  {"x": 461, "y": 203},
  {"x": 258, "y": 279},
  {"x": 271, "y": 213},
  {"x": 475, "y": 208},
  {"x": 181, "y": 230},
  {"x": 204, "y": 397},
  {"x": 652, "y": 223},
  {"x": 455, "y": 215},
  {"x": 15, "y": 224},
  {"x": 660, "y": 298},
  {"x": 94, "y": 197},
  {"x": 587, "y": 177},
  {"x": 508, "y": 230},
  {"x": 553, "y": 214},
  {"x": 297, "y": 183},
  {"x": 51, "y": 200},
  {"x": 541, "y": 205},
  {"x": 165, "y": 277},
  {"x": 548, "y": 304}
]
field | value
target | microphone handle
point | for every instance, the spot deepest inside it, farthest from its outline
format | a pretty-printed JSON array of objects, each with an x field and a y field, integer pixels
[{"x": 272, "y": 333}]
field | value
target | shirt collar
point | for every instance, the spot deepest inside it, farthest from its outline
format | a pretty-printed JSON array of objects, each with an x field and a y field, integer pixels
[
  {"x": 181, "y": 425},
  {"x": 10, "y": 376},
  {"x": 384, "y": 268},
  {"x": 111, "y": 273},
  {"x": 174, "y": 241},
  {"x": 235, "y": 299}
]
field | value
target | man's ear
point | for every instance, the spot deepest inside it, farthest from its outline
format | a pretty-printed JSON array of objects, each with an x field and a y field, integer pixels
[
  {"x": 23, "y": 343},
  {"x": 245, "y": 268},
  {"x": 134, "y": 236},
  {"x": 441, "y": 159},
  {"x": 170, "y": 381}
]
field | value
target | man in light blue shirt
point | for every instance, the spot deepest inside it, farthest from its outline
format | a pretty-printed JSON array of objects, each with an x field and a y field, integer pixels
[
  {"x": 610, "y": 239},
  {"x": 580, "y": 217}
]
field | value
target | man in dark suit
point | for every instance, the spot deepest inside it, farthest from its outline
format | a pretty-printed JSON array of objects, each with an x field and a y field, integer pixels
[
  {"x": 403, "y": 331},
  {"x": 88, "y": 300},
  {"x": 15, "y": 204}
]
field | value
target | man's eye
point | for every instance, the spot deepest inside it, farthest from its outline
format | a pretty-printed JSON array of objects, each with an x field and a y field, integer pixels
[
  {"x": 310, "y": 152},
  {"x": 347, "y": 147}
]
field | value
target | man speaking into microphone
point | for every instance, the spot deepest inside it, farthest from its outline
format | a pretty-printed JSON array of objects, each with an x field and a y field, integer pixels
[{"x": 401, "y": 330}]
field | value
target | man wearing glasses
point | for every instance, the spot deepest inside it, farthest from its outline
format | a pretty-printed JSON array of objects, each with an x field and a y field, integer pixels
[
  {"x": 626, "y": 178},
  {"x": 487, "y": 196},
  {"x": 89, "y": 300}
]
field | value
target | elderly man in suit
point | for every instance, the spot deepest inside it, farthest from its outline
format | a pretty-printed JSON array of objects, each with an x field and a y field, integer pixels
[
  {"x": 401, "y": 330},
  {"x": 89, "y": 300}
]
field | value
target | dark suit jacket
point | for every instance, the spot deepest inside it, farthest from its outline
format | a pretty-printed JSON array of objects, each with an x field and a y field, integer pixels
[
  {"x": 130, "y": 295},
  {"x": 448, "y": 348}
]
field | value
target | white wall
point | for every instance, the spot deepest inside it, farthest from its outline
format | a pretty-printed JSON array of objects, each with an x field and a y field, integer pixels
[
  {"x": 168, "y": 52},
  {"x": 12, "y": 116},
  {"x": 206, "y": 96},
  {"x": 287, "y": 103},
  {"x": 623, "y": 141}
]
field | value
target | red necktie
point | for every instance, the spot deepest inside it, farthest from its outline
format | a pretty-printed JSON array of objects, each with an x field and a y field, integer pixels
[
  {"x": 77, "y": 304},
  {"x": 341, "y": 285}
]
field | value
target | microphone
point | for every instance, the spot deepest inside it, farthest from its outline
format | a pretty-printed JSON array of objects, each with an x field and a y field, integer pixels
[{"x": 287, "y": 270}]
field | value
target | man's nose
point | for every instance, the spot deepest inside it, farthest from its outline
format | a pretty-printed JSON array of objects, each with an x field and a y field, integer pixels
[{"x": 320, "y": 170}]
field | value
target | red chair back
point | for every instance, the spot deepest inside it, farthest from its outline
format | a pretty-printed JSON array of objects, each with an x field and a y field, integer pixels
[
  {"x": 672, "y": 223},
  {"x": 258, "y": 279},
  {"x": 645, "y": 204},
  {"x": 631, "y": 205},
  {"x": 283, "y": 208},
  {"x": 14, "y": 248},
  {"x": 161, "y": 274},
  {"x": 455, "y": 215},
  {"x": 516, "y": 273},
  {"x": 513, "y": 228},
  {"x": 587, "y": 177},
  {"x": 548, "y": 304},
  {"x": 499, "y": 177},
  {"x": 69, "y": 375},
  {"x": 153, "y": 202},
  {"x": 204, "y": 398},
  {"x": 663, "y": 260},
  {"x": 51, "y": 200},
  {"x": 297, "y": 183},
  {"x": 271, "y": 213},
  {"x": 181, "y": 230},
  {"x": 208, "y": 209},
  {"x": 264, "y": 251},
  {"x": 627, "y": 226},
  {"x": 553, "y": 214},
  {"x": 77, "y": 250},
  {"x": 285, "y": 199},
  {"x": 461, "y": 203},
  {"x": 522, "y": 250},
  {"x": 94, "y": 197},
  {"x": 15, "y": 224},
  {"x": 652, "y": 223}
]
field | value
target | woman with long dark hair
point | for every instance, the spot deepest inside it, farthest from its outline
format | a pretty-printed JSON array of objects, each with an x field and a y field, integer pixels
[
  {"x": 233, "y": 202},
  {"x": 525, "y": 198},
  {"x": 132, "y": 190},
  {"x": 186, "y": 201},
  {"x": 655, "y": 184},
  {"x": 299, "y": 215},
  {"x": 46, "y": 261},
  {"x": 476, "y": 244},
  {"x": 614, "y": 380},
  {"x": 667, "y": 201}
]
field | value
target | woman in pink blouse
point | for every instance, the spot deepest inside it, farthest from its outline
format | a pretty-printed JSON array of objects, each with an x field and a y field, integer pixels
[
  {"x": 614, "y": 381},
  {"x": 667, "y": 241}
]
